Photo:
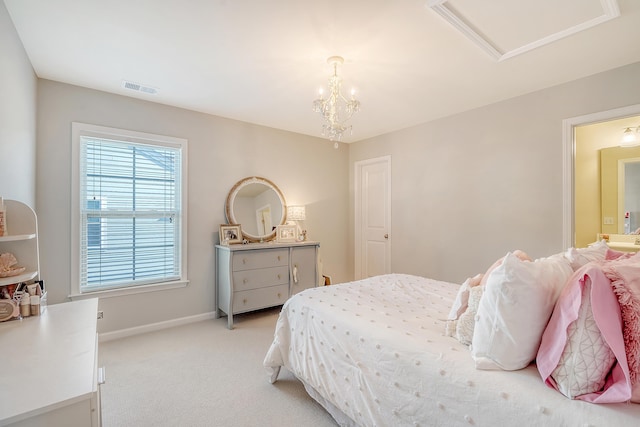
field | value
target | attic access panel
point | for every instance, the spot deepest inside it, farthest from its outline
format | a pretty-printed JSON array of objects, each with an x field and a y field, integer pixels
[{"x": 506, "y": 28}]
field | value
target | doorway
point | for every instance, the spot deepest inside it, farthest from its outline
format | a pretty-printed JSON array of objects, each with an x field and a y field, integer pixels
[
  {"x": 571, "y": 183},
  {"x": 372, "y": 217},
  {"x": 263, "y": 220}
]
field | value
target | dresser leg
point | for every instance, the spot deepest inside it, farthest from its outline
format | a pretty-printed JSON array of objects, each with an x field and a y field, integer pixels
[{"x": 229, "y": 321}]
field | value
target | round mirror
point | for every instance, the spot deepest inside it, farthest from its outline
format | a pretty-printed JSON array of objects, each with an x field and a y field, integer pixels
[{"x": 258, "y": 206}]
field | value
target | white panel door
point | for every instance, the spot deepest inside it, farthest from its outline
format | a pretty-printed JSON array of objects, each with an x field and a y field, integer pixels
[{"x": 373, "y": 217}]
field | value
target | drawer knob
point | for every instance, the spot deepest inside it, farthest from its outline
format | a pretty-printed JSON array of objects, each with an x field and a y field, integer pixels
[
  {"x": 278, "y": 257},
  {"x": 244, "y": 260},
  {"x": 244, "y": 301},
  {"x": 278, "y": 276},
  {"x": 244, "y": 281},
  {"x": 279, "y": 294}
]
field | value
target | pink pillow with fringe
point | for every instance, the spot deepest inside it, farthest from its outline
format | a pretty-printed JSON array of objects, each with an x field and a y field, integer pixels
[
  {"x": 613, "y": 254},
  {"x": 624, "y": 274}
]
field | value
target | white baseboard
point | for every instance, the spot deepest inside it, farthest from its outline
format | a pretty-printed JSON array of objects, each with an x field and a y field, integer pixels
[{"x": 122, "y": 333}]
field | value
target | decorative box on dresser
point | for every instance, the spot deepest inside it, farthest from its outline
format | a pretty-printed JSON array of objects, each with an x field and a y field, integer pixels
[
  {"x": 260, "y": 275},
  {"x": 51, "y": 376}
]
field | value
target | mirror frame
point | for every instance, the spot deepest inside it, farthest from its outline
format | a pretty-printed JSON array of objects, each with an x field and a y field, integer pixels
[{"x": 231, "y": 218}]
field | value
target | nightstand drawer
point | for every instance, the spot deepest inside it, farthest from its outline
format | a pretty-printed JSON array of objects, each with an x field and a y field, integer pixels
[
  {"x": 260, "y": 298},
  {"x": 253, "y": 279},
  {"x": 250, "y": 260}
]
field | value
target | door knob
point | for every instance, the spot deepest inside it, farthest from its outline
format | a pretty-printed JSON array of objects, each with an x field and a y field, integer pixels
[{"x": 386, "y": 236}]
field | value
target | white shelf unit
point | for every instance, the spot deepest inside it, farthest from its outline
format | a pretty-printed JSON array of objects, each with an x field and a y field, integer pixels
[{"x": 22, "y": 241}]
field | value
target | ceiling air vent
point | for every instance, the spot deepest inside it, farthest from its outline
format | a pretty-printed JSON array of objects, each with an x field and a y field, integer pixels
[{"x": 139, "y": 88}]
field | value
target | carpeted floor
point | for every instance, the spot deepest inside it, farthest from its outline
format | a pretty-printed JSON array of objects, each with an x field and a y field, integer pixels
[{"x": 203, "y": 374}]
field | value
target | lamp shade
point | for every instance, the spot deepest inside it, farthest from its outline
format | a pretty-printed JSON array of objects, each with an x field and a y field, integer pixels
[{"x": 296, "y": 213}]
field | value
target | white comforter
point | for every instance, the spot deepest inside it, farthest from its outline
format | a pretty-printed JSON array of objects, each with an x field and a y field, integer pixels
[{"x": 375, "y": 354}]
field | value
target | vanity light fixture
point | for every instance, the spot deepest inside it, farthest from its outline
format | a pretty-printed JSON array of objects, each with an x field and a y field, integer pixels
[
  {"x": 630, "y": 137},
  {"x": 336, "y": 109},
  {"x": 295, "y": 214}
]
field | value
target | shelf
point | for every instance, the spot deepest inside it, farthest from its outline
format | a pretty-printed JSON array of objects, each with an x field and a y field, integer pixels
[
  {"x": 17, "y": 237},
  {"x": 26, "y": 276}
]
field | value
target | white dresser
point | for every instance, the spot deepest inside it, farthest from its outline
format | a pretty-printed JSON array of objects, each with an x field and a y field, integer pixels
[
  {"x": 260, "y": 275},
  {"x": 50, "y": 368}
]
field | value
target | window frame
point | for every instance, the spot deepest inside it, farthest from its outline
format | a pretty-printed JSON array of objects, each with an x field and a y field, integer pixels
[{"x": 80, "y": 130}]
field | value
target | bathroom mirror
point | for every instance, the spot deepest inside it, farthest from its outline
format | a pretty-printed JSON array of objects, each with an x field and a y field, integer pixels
[
  {"x": 620, "y": 183},
  {"x": 258, "y": 205}
]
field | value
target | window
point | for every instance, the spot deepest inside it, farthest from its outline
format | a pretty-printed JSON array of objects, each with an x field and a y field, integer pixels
[{"x": 128, "y": 209}]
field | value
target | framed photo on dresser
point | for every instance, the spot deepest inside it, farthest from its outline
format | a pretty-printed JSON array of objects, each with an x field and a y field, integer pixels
[
  {"x": 286, "y": 233},
  {"x": 230, "y": 234}
]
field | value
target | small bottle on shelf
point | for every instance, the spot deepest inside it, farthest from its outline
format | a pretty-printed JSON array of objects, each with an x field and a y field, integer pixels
[
  {"x": 627, "y": 223},
  {"x": 34, "y": 308},
  {"x": 25, "y": 305},
  {"x": 3, "y": 218}
]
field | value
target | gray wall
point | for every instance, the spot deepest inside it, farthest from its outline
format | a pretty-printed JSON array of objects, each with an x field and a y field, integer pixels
[
  {"x": 470, "y": 187},
  {"x": 17, "y": 117},
  {"x": 307, "y": 170},
  {"x": 466, "y": 188}
]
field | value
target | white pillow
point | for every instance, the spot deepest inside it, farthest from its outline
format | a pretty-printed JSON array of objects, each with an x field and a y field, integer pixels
[
  {"x": 515, "y": 307},
  {"x": 581, "y": 256}
]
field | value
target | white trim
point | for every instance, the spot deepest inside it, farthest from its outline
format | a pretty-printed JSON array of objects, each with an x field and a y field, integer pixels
[
  {"x": 450, "y": 16},
  {"x": 84, "y": 129},
  {"x": 610, "y": 11},
  {"x": 568, "y": 151},
  {"x": 123, "y": 333},
  {"x": 131, "y": 290}
]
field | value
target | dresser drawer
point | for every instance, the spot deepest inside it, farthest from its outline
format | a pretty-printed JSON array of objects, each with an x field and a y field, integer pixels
[
  {"x": 252, "y": 279},
  {"x": 259, "y": 298},
  {"x": 249, "y": 260}
]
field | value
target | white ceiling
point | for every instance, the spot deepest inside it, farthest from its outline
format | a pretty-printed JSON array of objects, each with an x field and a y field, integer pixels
[{"x": 263, "y": 61}]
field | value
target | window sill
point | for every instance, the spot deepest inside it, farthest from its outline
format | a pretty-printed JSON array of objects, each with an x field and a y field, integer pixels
[{"x": 110, "y": 293}]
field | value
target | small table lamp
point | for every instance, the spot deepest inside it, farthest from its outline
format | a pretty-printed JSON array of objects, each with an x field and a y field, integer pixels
[{"x": 295, "y": 214}]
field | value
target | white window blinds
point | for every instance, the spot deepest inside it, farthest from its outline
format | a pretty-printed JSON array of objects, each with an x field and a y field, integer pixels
[{"x": 130, "y": 213}]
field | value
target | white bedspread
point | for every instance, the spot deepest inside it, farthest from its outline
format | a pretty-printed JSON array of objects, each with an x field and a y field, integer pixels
[{"x": 376, "y": 350}]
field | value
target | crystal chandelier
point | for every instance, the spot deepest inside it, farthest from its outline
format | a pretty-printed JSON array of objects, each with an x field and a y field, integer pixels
[{"x": 336, "y": 109}]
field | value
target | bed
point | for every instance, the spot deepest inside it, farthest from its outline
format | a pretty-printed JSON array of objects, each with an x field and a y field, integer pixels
[{"x": 374, "y": 352}]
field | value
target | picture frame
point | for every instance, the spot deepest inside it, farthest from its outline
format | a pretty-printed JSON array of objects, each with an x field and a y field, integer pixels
[
  {"x": 230, "y": 234},
  {"x": 286, "y": 233}
]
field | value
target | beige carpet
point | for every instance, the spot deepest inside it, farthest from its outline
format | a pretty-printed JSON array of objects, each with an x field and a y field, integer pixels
[{"x": 203, "y": 374}]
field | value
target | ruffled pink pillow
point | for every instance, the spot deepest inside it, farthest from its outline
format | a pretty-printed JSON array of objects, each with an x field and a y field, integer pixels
[
  {"x": 605, "y": 384},
  {"x": 624, "y": 274}
]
